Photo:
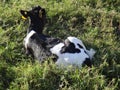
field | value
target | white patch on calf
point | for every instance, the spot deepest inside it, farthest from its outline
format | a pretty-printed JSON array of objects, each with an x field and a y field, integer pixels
[
  {"x": 56, "y": 49},
  {"x": 26, "y": 40},
  {"x": 66, "y": 59},
  {"x": 72, "y": 59}
]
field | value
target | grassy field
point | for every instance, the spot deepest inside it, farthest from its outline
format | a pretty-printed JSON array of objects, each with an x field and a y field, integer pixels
[{"x": 95, "y": 22}]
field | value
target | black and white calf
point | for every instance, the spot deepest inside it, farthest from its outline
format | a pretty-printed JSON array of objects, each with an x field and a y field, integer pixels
[{"x": 69, "y": 52}]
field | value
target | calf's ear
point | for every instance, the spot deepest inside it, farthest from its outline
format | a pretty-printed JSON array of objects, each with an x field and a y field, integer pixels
[
  {"x": 41, "y": 13},
  {"x": 24, "y": 14}
]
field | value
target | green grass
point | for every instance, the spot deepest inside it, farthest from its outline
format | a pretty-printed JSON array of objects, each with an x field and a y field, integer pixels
[{"x": 95, "y": 22}]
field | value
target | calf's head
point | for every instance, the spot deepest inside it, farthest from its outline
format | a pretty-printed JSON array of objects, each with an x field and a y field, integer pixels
[{"x": 37, "y": 17}]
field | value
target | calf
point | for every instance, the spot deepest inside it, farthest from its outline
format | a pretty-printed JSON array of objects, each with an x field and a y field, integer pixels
[{"x": 69, "y": 52}]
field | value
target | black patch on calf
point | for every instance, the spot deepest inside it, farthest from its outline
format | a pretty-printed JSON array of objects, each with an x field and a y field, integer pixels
[
  {"x": 51, "y": 42},
  {"x": 80, "y": 46},
  {"x": 87, "y": 62},
  {"x": 85, "y": 51},
  {"x": 39, "y": 40},
  {"x": 70, "y": 48},
  {"x": 54, "y": 57}
]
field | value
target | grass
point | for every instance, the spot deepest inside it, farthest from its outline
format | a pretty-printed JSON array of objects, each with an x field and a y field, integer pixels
[{"x": 95, "y": 22}]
